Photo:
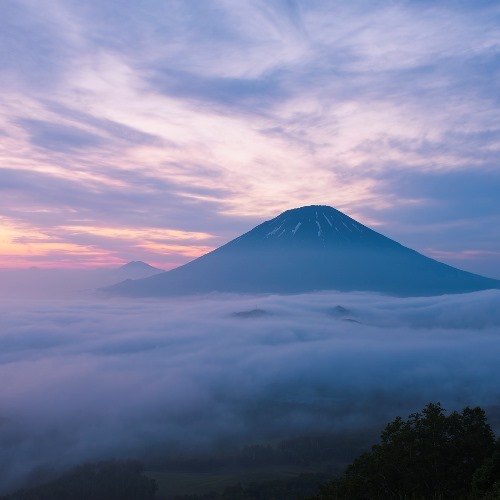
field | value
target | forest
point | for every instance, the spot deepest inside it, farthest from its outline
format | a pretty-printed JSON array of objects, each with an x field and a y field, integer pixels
[{"x": 430, "y": 455}]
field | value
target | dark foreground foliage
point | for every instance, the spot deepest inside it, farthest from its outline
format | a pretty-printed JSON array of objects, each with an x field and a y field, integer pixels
[
  {"x": 110, "y": 480},
  {"x": 428, "y": 456},
  {"x": 296, "y": 488},
  {"x": 486, "y": 479}
]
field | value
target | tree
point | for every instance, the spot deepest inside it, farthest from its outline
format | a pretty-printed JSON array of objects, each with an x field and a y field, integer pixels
[
  {"x": 430, "y": 455},
  {"x": 486, "y": 479}
]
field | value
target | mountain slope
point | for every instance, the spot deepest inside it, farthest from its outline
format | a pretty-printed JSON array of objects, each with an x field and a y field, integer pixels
[{"x": 306, "y": 249}]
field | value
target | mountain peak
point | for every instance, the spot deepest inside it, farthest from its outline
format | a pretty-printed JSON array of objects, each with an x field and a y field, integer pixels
[
  {"x": 319, "y": 220},
  {"x": 316, "y": 226},
  {"x": 136, "y": 269},
  {"x": 136, "y": 264}
]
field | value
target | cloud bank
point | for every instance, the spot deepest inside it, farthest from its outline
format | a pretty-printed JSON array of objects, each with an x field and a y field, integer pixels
[{"x": 85, "y": 380}]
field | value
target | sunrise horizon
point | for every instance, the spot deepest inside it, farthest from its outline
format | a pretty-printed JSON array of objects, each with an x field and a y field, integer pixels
[{"x": 132, "y": 132}]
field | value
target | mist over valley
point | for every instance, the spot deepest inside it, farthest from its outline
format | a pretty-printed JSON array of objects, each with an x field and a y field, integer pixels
[{"x": 86, "y": 380}]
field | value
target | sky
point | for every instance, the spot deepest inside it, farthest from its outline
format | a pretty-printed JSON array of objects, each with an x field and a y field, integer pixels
[
  {"x": 95, "y": 379},
  {"x": 158, "y": 130}
]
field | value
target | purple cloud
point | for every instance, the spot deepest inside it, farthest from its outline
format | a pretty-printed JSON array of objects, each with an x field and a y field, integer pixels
[{"x": 245, "y": 111}]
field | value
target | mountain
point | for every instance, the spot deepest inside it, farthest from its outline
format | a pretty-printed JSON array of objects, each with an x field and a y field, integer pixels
[
  {"x": 137, "y": 269},
  {"x": 306, "y": 249}
]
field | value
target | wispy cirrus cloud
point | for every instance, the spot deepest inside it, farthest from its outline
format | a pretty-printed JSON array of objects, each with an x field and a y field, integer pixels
[{"x": 56, "y": 137}]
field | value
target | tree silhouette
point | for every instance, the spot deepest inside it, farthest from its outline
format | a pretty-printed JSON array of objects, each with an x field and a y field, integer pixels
[{"x": 430, "y": 455}]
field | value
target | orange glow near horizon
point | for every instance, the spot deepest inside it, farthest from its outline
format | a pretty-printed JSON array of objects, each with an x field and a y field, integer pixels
[
  {"x": 459, "y": 255},
  {"x": 138, "y": 234},
  {"x": 186, "y": 251},
  {"x": 22, "y": 246}
]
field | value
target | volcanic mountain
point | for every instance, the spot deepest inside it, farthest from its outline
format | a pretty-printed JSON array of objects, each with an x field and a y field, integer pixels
[{"x": 306, "y": 249}]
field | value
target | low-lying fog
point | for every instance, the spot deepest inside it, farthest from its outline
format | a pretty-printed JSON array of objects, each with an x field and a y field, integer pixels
[{"x": 86, "y": 380}]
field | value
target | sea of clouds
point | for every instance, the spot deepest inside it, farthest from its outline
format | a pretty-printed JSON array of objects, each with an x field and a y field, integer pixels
[{"x": 83, "y": 380}]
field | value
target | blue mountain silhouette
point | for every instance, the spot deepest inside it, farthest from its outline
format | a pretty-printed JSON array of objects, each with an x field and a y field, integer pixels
[{"x": 309, "y": 249}]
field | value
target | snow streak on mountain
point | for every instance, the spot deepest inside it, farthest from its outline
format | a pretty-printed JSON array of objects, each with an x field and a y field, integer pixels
[{"x": 308, "y": 249}]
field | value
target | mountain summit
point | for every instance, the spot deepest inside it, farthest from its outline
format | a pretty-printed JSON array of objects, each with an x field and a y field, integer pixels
[
  {"x": 314, "y": 226},
  {"x": 307, "y": 249}
]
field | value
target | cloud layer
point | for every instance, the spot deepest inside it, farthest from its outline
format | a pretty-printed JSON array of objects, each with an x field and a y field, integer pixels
[
  {"x": 211, "y": 117},
  {"x": 84, "y": 380}
]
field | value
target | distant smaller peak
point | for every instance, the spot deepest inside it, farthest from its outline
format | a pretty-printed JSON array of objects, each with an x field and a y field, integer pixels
[{"x": 136, "y": 264}]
